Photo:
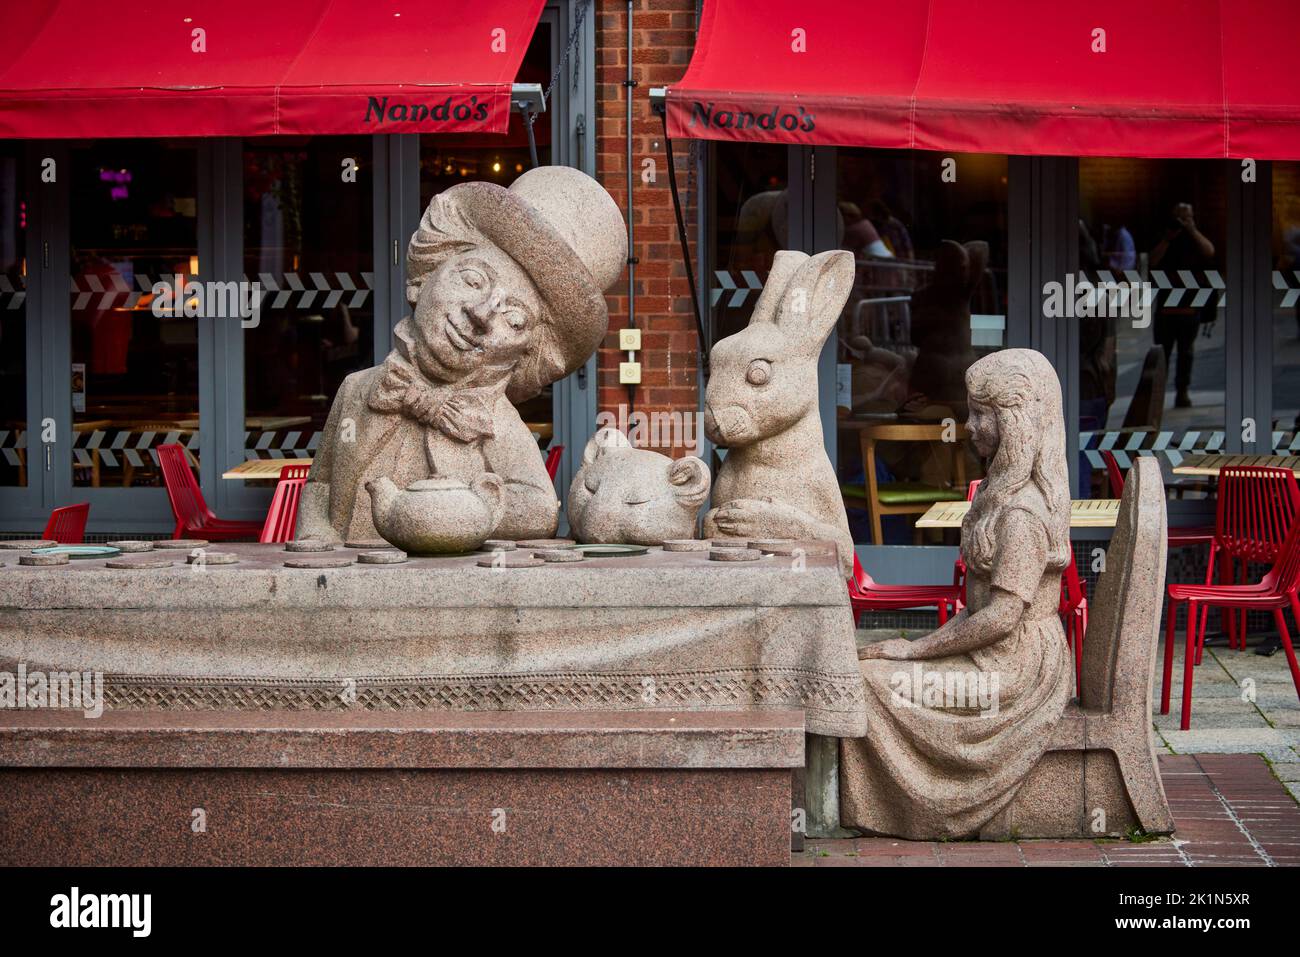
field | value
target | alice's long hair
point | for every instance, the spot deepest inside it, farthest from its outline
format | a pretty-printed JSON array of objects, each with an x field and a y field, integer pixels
[{"x": 1020, "y": 387}]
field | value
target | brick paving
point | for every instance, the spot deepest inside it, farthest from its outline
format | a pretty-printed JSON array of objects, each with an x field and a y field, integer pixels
[{"x": 1229, "y": 810}]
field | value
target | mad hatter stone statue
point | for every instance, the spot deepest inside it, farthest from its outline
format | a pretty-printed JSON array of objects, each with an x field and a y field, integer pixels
[{"x": 508, "y": 289}]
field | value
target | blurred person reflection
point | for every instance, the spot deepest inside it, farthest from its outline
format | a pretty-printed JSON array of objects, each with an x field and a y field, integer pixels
[{"x": 1183, "y": 247}]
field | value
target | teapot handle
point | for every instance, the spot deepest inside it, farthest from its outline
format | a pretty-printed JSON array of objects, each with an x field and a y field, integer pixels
[{"x": 491, "y": 490}]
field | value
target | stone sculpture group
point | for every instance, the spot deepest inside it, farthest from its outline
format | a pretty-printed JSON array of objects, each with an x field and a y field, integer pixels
[{"x": 428, "y": 452}]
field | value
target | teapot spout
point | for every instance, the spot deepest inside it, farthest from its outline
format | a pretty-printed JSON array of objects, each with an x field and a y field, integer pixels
[{"x": 383, "y": 493}]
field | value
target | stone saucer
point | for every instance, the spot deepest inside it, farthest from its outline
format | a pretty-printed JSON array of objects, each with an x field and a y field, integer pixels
[
  {"x": 687, "y": 545},
  {"x": 43, "y": 561},
  {"x": 213, "y": 558},
  {"x": 140, "y": 563},
  {"x": 182, "y": 543},
  {"x": 730, "y": 554},
  {"x": 557, "y": 555},
  {"x": 23, "y": 543},
  {"x": 498, "y": 545},
  {"x": 308, "y": 545},
  {"x": 341, "y": 561},
  {"x": 131, "y": 545},
  {"x": 390, "y": 557},
  {"x": 729, "y": 543},
  {"x": 493, "y": 561},
  {"x": 367, "y": 543}
]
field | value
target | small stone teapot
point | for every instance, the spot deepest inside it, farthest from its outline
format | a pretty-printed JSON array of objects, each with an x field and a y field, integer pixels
[{"x": 437, "y": 516}]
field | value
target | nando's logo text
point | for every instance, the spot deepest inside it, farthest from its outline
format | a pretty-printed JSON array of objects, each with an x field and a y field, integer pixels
[
  {"x": 378, "y": 109},
  {"x": 777, "y": 118}
]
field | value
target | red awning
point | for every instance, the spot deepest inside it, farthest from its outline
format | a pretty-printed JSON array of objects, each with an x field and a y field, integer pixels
[
  {"x": 1162, "y": 78},
  {"x": 73, "y": 68}
]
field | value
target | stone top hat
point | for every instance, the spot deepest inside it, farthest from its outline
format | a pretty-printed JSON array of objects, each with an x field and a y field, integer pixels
[{"x": 563, "y": 230}]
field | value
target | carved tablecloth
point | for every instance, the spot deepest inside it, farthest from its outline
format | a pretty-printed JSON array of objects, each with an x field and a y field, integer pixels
[{"x": 660, "y": 631}]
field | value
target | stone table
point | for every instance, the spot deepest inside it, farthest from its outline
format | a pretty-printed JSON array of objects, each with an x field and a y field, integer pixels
[{"x": 662, "y": 631}]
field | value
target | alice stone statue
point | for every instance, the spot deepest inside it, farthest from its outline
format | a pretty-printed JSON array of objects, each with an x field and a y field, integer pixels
[{"x": 957, "y": 719}]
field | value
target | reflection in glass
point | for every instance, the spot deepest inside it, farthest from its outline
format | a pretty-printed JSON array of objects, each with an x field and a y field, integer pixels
[
  {"x": 1286, "y": 308},
  {"x": 134, "y": 373},
  {"x": 308, "y": 239},
  {"x": 929, "y": 299},
  {"x": 13, "y": 320},
  {"x": 1151, "y": 378}
]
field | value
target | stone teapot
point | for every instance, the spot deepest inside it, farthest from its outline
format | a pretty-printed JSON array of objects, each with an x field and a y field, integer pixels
[{"x": 437, "y": 516}]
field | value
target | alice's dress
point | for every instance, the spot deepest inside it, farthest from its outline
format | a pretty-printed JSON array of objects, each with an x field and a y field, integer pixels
[{"x": 934, "y": 766}]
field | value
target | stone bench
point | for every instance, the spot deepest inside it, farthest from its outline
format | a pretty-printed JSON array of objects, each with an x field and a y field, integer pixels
[
  {"x": 1099, "y": 777},
  {"x": 252, "y": 788}
]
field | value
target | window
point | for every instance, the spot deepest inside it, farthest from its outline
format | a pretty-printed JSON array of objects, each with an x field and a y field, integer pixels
[
  {"x": 13, "y": 320},
  {"x": 1286, "y": 309},
  {"x": 929, "y": 236},
  {"x": 135, "y": 377},
  {"x": 1151, "y": 370},
  {"x": 309, "y": 242}
]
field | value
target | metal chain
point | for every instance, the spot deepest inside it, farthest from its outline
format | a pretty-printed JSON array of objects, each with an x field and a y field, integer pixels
[{"x": 564, "y": 54}]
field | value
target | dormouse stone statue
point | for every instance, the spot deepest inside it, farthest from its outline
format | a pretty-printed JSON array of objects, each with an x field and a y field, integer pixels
[
  {"x": 630, "y": 496},
  {"x": 507, "y": 286},
  {"x": 761, "y": 403},
  {"x": 958, "y": 718}
]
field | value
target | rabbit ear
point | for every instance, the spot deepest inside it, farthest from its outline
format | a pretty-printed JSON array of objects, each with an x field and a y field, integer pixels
[
  {"x": 604, "y": 439},
  {"x": 815, "y": 296},
  {"x": 784, "y": 265},
  {"x": 690, "y": 477}
]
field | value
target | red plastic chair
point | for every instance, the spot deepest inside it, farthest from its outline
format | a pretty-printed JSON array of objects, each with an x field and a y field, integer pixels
[
  {"x": 67, "y": 525},
  {"x": 1183, "y": 537},
  {"x": 282, "y": 516},
  {"x": 193, "y": 517},
  {"x": 866, "y": 595},
  {"x": 1255, "y": 511},
  {"x": 1276, "y": 592},
  {"x": 553, "y": 460},
  {"x": 1073, "y": 608}
]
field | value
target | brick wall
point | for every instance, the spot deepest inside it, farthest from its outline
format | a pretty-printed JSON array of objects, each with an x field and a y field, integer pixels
[{"x": 663, "y": 38}]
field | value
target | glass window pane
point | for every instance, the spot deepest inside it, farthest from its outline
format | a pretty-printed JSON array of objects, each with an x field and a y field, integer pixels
[
  {"x": 309, "y": 242},
  {"x": 929, "y": 235},
  {"x": 13, "y": 319},
  {"x": 1151, "y": 356},
  {"x": 1286, "y": 308},
  {"x": 135, "y": 371}
]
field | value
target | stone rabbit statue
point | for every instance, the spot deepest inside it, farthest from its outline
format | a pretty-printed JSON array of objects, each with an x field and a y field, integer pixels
[{"x": 761, "y": 403}]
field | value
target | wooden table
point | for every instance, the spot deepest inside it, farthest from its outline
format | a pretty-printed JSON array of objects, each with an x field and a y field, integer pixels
[
  {"x": 1084, "y": 513},
  {"x": 1211, "y": 464},
  {"x": 262, "y": 469}
]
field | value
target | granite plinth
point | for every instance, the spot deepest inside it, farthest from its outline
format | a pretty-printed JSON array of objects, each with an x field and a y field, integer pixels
[
  {"x": 662, "y": 632},
  {"x": 396, "y": 788}
]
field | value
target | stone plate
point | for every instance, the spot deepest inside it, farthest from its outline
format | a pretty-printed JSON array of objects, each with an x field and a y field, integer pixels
[
  {"x": 559, "y": 554},
  {"x": 611, "y": 551},
  {"x": 181, "y": 543},
  {"x": 498, "y": 545},
  {"x": 390, "y": 557},
  {"x": 729, "y": 543},
  {"x": 308, "y": 545},
  {"x": 687, "y": 545},
  {"x": 367, "y": 543},
  {"x": 22, "y": 543},
  {"x": 492, "y": 561},
  {"x": 133, "y": 546},
  {"x": 42, "y": 561},
  {"x": 140, "y": 563},
  {"x": 342, "y": 561},
  {"x": 213, "y": 558},
  {"x": 81, "y": 551},
  {"x": 734, "y": 554}
]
